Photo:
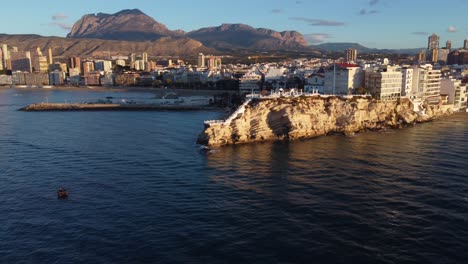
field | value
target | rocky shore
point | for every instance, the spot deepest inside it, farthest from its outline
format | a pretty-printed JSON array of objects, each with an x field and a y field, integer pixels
[{"x": 306, "y": 117}]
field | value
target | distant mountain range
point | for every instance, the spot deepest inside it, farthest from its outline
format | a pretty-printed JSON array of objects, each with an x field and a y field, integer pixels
[
  {"x": 342, "y": 46},
  {"x": 134, "y": 25},
  {"x": 132, "y": 30}
]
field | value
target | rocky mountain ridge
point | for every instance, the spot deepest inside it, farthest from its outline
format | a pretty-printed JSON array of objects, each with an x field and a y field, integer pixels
[
  {"x": 130, "y": 25},
  {"x": 134, "y": 25}
]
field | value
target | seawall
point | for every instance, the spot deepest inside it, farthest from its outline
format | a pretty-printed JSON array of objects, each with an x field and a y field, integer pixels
[{"x": 267, "y": 119}]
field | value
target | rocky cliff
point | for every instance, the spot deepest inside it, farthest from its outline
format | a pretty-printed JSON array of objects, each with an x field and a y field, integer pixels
[{"x": 306, "y": 117}]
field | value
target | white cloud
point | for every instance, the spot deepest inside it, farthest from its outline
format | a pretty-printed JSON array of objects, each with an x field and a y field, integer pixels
[
  {"x": 317, "y": 38},
  {"x": 59, "y": 17},
  {"x": 452, "y": 29}
]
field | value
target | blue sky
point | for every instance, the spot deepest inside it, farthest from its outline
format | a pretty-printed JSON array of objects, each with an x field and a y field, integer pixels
[{"x": 373, "y": 23}]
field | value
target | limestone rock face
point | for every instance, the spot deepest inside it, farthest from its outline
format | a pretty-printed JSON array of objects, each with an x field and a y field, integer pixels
[{"x": 306, "y": 117}]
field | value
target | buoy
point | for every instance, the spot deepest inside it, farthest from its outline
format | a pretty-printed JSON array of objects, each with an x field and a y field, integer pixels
[{"x": 62, "y": 193}]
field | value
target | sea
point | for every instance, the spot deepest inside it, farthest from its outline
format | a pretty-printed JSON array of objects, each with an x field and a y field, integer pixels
[{"x": 142, "y": 191}]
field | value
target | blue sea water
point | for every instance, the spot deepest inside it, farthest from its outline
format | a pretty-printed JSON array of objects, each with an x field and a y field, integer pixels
[{"x": 142, "y": 191}]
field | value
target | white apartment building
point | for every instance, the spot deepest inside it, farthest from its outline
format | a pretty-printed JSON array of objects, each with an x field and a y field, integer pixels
[
  {"x": 457, "y": 92},
  {"x": 343, "y": 78},
  {"x": 249, "y": 82},
  {"x": 103, "y": 65},
  {"x": 407, "y": 83},
  {"x": 385, "y": 83},
  {"x": 426, "y": 83}
]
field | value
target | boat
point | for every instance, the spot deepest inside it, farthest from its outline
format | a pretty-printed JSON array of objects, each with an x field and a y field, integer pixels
[{"x": 62, "y": 193}]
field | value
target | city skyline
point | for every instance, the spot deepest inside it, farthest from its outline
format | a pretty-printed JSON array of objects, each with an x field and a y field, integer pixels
[{"x": 372, "y": 23}]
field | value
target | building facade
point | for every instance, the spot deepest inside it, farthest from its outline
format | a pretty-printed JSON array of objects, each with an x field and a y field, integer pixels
[
  {"x": 384, "y": 83},
  {"x": 351, "y": 55},
  {"x": 343, "y": 78},
  {"x": 426, "y": 83}
]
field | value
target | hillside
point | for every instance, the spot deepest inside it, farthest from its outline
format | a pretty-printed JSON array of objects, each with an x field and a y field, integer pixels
[
  {"x": 241, "y": 36},
  {"x": 66, "y": 47}
]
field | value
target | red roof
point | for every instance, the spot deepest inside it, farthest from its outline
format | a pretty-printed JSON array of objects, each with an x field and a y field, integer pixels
[{"x": 347, "y": 65}]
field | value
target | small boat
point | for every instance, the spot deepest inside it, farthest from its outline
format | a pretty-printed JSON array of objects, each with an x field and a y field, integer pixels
[{"x": 62, "y": 193}]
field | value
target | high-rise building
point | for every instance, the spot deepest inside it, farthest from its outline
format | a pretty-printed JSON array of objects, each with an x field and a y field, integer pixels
[
  {"x": 39, "y": 62},
  {"x": 21, "y": 61},
  {"x": 465, "y": 44},
  {"x": 201, "y": 60},
  {"x": 50, "y": 59},
  {"x": 5, "y": 56},
  {"x": 448, "y": 45},
  {"x": 88, "y": 66},
  {"x": 433, "y": 42},
  {"x": 351, "y": 55},
  {"x": 422, "y": 56},
  {"x": 144, "y": 57},
  {"x": 434, "y": 55},
  {"x": 75, "y": 63},
  {"x": 103, "y": 65}
]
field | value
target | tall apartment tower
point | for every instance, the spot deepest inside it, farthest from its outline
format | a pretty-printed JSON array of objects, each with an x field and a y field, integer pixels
[
  {"x": 448, "y": 45},
  {"x": 465, "y": 44},
  {"x": 144, "y": 57},
  {"x": 433, "y": 42},
  {"x": 201, "y": 60},
  {"x": 5, "y": 56},
  {"x": 50, "y": 59},
  {"x": 351, "y": 55}
]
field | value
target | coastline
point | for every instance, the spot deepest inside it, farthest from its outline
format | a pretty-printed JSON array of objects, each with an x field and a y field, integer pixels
[
  {"x": 308, "y": 117},
  {"x": 186, "y": 92}
]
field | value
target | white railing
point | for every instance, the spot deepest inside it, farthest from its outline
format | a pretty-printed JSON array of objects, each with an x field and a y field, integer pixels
[{"x": 238, "y": 111}]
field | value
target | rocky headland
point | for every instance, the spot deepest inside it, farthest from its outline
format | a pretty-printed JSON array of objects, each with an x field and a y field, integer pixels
[{"x": 306, "y": 117}]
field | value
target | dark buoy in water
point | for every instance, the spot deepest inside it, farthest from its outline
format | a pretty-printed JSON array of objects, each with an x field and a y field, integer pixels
[{"x": 62, "y": 193}]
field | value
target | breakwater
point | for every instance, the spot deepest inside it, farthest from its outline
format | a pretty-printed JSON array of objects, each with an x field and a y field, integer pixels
[
  {"x": 264, "y": 119},
  {"x": 109, "y": 107}
]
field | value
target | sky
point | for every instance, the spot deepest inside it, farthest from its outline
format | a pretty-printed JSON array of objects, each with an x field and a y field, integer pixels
[{"x": 391, "y": 24}]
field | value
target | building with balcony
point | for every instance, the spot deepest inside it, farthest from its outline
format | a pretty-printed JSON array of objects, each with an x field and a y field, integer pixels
[{"x": 384, "y": 83}]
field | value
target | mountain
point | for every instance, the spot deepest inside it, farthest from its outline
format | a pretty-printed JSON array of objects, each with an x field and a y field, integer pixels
[
  {"x": 342, "y": 46},
  {"x": 241, "y": 36},
  {"x": 129, "y": 24},
  {"x": 134, "y": 25},
  {"x": 66, "y": 47}
]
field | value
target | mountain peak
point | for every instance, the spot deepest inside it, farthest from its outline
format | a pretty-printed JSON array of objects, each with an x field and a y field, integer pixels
[
  {"x": 130, "y": 12},
  {"x": 128, "y": 24}
]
